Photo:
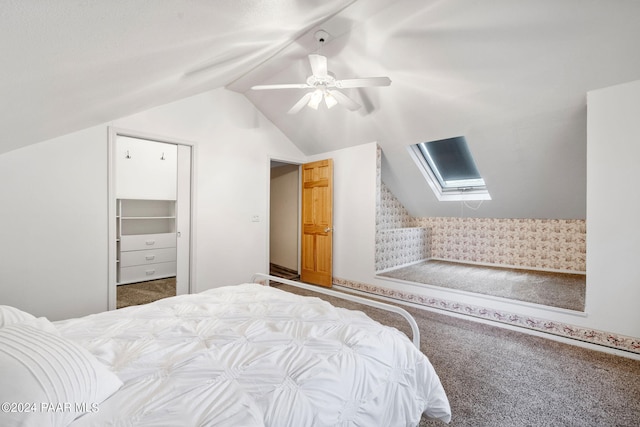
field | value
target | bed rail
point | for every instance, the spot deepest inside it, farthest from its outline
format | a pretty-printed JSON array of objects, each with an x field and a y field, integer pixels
[{"x": 415, "y": 332}]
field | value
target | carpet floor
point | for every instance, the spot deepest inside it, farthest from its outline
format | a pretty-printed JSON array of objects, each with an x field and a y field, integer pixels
[
  {"x": 561, "y": 290},
  {"x": 145, "y": 292},
  {"x": 498, "y": 377}
]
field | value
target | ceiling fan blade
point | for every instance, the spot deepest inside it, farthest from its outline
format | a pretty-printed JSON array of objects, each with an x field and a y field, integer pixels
[
  {"x": 318, "y": 65},
  {"x": 301, "y": 103},
  {"x": 344, "y": 100},
  {"x": 282, "y": 86},
  {"x": 363, "y": 82}
]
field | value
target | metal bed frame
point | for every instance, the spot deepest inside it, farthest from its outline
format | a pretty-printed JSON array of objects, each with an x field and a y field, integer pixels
[{"x": 415, "y": 332}]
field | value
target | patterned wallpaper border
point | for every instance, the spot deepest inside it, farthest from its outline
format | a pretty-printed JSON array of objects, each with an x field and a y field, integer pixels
[{"x": 606, "y": 339}]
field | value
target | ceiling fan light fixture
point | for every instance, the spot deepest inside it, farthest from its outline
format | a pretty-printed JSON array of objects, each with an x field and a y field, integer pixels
[
  {"x": 315, "y": 100},
  {"x": 330, "y": 100}
]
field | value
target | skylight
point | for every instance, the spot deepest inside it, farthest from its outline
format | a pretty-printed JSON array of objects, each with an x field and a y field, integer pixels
[{"x": 450, "y": 170}]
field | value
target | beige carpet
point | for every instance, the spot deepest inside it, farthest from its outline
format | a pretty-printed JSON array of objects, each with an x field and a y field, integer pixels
[
  {"x": 561, "y": 290},
  {"x": 145, "y": 292}
]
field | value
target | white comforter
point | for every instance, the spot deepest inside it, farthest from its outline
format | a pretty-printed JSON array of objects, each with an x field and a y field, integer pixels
[{"x": 250, "y": 355}]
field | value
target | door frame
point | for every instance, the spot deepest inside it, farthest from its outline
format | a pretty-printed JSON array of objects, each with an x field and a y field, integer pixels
[
  {"x": 113, "y": 133},
  {"x": 299, "y": 163}
]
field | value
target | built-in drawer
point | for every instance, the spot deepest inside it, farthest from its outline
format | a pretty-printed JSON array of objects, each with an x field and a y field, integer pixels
[
  {"x": 140, "y": 273},
  {"x": 149, "y": 256},
  {"x": 140, "y": 242}
]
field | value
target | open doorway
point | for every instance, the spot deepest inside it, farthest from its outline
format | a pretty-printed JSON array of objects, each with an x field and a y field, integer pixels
[
  {"x": 150, "y": 228},
  {"x": 284, "y": 221}
]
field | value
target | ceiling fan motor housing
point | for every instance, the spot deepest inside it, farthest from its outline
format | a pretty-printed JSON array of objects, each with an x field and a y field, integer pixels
[
  {"x": 321, "y": 36},
  {"x": 317, "y": 81}
]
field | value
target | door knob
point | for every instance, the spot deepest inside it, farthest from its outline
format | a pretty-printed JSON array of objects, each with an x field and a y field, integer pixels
[{"x": 328, "y": 229}]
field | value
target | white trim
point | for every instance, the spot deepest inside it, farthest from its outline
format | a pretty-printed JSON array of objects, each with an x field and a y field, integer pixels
[
  {"x": 295, "y": 162},
  {"x": 485, "y": 264},
  {"x": 488, "y": 297},
  {"x": 443, "y": 196},
  {"x": 194, "y": 173},
  {"x": 111, "y": 221},
  {"x": 409, "y": 264}
]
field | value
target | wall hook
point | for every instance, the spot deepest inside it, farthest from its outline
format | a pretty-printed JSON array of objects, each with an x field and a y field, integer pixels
[
  {"x": 128, "y": 156},
  {"x": 162, "y": 158}
]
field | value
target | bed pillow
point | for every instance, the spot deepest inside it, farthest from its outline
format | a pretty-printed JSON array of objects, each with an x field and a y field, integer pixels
[
  {"x": 10, "y": 315},
  {"x": 47, "y": 379}
]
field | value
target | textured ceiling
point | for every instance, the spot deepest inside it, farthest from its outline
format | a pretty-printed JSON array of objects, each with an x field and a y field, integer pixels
[{"x": 511, "y": 76}]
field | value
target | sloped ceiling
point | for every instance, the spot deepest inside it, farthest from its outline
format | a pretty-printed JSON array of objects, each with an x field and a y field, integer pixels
[
  {"x": 511, "y": 76},
  {"x": 71, "y": 64}
]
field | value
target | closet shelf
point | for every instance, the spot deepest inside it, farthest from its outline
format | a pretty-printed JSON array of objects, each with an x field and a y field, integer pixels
[
  {"x": 148, "y": 217},
  {"x": 147, "y": 233}
]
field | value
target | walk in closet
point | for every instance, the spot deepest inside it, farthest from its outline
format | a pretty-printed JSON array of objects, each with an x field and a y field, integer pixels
[{"x": 151, "y": 199}]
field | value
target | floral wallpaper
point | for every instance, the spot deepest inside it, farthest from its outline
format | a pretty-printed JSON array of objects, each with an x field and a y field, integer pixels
[
  {"x": 401, "y": 246},
  {"x": 399, "y": 238},
  {"x": 392, "y": 213},
  {"x": 547, "y": 244}
]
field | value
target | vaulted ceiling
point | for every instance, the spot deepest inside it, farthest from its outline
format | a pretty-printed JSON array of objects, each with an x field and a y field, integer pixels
[{"x": 511, "y": 76}]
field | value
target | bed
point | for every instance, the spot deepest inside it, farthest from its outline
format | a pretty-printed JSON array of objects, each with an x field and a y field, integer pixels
[{"x": 243, "y": 355}]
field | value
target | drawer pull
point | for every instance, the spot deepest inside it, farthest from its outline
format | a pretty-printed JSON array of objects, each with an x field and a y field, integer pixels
[
  {"x": 150, "y": 242},
  {"x": 150, "y": 272},
  {"x": 150, "y": 257}
]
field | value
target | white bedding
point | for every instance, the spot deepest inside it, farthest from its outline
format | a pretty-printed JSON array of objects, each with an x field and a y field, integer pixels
[{"x": 250, "y": 355}]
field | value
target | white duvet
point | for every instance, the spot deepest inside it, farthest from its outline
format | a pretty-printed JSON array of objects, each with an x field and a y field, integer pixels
[{"x": 250, "y": 355}]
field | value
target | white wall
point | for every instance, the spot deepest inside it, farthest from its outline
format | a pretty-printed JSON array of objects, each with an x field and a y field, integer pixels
[
  {"x": 354, "y": 211},
  {"x": 613, "y": 202},
  {"x": 53, "y": 257},
  {"x": 53, "y": 211}
]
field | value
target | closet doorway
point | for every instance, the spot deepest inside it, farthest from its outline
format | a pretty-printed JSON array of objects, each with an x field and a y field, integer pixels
[
  {"x": 284, "y": 223},
  {"x": 150, "y": 199}
]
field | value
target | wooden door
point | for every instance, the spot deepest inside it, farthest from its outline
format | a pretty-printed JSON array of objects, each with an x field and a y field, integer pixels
[{"x": 317, "y": 223}]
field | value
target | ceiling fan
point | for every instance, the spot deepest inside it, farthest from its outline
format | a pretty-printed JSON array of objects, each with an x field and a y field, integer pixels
[{"x": 325, "y": 86}]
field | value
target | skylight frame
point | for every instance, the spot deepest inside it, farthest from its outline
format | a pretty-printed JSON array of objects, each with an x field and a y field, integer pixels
[{"x": 457, "y": 190}]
